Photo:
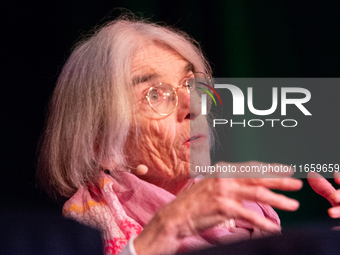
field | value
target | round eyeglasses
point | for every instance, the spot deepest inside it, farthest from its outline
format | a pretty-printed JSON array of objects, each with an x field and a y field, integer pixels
[{"x": 163, "y": 98}]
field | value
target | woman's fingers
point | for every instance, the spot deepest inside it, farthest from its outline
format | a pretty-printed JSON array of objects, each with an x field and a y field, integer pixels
[
  {"x": 334, "y": 212},
  {"x": 287, "y": 184},
  {"x": 337, "y": 177},
  {"x": 321, "y": 186},
  {"x": 263, "y": 195},
  {"x": 335, "y": 198},
  {"x": 242, "y": 213},
  {"x": 221, "y": 199}
]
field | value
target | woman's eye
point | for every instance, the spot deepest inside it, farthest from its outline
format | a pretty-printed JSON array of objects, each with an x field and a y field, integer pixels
[{"x": 153, "y": 94}]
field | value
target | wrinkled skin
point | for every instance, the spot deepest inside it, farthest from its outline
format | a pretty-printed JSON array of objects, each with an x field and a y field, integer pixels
[
  {"x": 164, "y": 148},
  {"x": 163, "y": 145}
]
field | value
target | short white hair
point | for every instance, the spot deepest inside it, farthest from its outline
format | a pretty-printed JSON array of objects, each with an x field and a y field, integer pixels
[{"x": 90, "y": 113}]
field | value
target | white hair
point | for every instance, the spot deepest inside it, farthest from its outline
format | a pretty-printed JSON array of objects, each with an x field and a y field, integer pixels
[{"x": 90, "y": 113}]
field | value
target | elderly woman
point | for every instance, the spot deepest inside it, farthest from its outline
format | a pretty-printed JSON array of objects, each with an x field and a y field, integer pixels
[{"x": 118, "y": 145}]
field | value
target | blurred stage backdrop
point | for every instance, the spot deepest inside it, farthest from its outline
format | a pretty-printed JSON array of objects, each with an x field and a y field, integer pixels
[{"x": 240, "y": 39}]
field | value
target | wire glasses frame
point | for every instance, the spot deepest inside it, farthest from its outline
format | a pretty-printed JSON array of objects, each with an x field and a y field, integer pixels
[{"x": 163, "y": 98}]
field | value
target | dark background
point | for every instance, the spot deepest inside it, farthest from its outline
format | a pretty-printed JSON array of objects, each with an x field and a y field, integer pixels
[{"x": 240, "y": 39}]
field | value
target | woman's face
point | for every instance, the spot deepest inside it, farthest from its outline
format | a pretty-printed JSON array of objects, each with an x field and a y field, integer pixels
[{"x": 163, "y": 144}]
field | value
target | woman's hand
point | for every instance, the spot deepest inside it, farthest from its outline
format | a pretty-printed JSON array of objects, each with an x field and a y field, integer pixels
[
  {"x": 210, "y": 202},
  {"x": 321, "y": 186}
]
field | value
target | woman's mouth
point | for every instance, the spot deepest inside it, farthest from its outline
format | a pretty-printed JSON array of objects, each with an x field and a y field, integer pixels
[{"x": 194, "y": 139}]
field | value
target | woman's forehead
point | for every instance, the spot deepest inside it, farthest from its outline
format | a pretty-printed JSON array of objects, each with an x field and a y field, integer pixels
[{"x": 154, "y": 61}]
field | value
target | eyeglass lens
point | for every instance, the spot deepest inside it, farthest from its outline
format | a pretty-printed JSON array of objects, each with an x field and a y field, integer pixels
[{"x": 163, "y": 97}]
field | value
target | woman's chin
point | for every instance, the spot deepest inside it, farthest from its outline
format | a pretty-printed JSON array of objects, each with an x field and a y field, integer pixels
[{"x": 200, "y": 156}]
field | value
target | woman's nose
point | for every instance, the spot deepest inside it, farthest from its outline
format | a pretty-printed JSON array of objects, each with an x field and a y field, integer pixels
[{"x": 189, "y": 104}]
